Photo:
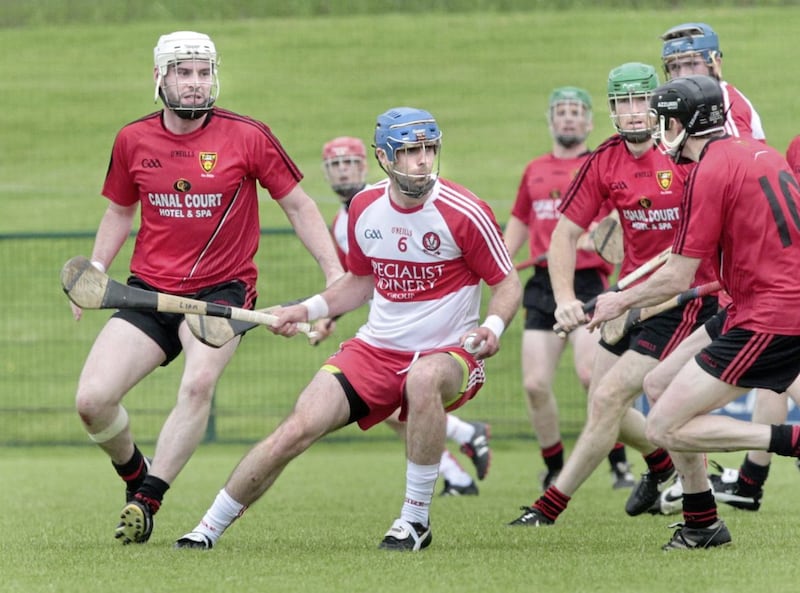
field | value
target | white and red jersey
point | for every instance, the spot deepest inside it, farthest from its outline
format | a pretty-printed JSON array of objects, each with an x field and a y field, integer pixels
[
  {"x": 198, "y": 196},
  {"x": 793, "y": 156},
  {"x": 427, "y": 263},
  {"x": 740, "y": 208},
  {"x": 543, "y": 183},
  {"x": 743, "y": 119},
  {"x": 339, "y": 234},
  {"x": 646, "y": 191}
]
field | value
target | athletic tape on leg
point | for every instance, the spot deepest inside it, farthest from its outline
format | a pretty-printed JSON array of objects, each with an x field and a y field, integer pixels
[{"x": 113, "y": 429}]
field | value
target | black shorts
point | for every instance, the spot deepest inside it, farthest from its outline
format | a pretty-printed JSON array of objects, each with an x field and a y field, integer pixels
[
  {"x": 752, "y": 360},
  {"x": 661, "y": 334},
  {"x": 716, "y": 323},
  {"x": 163, "y": 327},
  {"x": 540, "y": 304}
]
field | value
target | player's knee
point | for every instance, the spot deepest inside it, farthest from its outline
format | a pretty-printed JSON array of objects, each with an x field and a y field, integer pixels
[
  {"x": 653, "y": 386},
  {"x": 538, "y": 390},
  {"x": 91, "y": 404},
  {"x": 657, "y": 432}
]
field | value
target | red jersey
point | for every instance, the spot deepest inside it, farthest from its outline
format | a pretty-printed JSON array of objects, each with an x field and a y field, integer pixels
[
  {"x": 743, "y": 119},
  {"x": 793, "y": 156},
  {"x": 544, "y": 181},
  {"x": 198, "y": 196},
  {"x": 741, "y": 207},
  {"x": 646, "y": 191}
]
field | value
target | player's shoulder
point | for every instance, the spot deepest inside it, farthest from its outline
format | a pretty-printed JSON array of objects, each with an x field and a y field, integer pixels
[
  {"x": 144, "y": 122},
  {"x": 608, "y": 147},
  {"x": 367, "y": 196},
  {"x": 244, "y": 122}
]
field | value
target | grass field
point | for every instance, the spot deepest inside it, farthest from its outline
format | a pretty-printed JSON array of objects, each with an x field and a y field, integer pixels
[
  {"x": 68, "y": 86},
  {"x": 317, "y": 530}
]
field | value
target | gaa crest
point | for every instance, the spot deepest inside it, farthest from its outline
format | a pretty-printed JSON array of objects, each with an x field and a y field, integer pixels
[
  {"x": 431, "y": 242},
  {"x": 664, "y": 179},
  {"x": 208, "y": 160}
]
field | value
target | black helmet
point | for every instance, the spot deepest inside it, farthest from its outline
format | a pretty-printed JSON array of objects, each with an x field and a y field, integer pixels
[{"x": 695, "y": 101}]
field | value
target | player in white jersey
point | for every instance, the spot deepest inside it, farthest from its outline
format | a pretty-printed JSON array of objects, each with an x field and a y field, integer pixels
[
  {"x": 420, "y": 248},
  {"x": 693, "y": 48},
  {"x": 344, "y": 162}
]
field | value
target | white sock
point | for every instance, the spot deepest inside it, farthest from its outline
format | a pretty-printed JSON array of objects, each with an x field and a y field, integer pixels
[
  {"x": 458, "y": 430},
  {"x": 219, "y": 516},
  {"x": 420, "y": 483},
  {"x": 451, "y": 470}
]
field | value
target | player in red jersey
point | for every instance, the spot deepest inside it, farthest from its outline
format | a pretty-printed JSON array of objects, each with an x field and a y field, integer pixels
[
  {"x": 420, "y": 248},
  {"x": 192, "y": 169},
  {"x": 645, "y": 187},
  {"x": 740, "y": 208},
  {"x": 693, "y": 48},
  {"x": 533, "y": 218},
  {"x": 344, "y": 161}
]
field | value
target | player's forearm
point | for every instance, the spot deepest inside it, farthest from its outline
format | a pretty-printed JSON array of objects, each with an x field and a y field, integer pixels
[
  {"x": 112, "y": 232},
  {"x": 515, "y": 234},
  {"x": 315, "y": 236},
  {"x": 562, "y": 260},
  {"x": 506, "y": 298},
  {"x": 672, "y": 278},
  {"x": 347, "y": 293}
]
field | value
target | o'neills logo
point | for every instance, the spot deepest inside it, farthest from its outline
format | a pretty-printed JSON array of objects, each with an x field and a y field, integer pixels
[
  {"x": 664, "y": 179},
  {"x": 208, "y": 161}
]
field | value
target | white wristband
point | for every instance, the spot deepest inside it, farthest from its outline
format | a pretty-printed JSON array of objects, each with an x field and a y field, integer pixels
[
  {"x": 99, "y": 265},
  {"x": 494, "y": 323},
  {"x": 317, "y": 307}
]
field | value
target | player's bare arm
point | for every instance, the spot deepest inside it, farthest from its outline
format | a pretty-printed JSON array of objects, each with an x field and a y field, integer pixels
[
  {"x": 347, "y": 293},
  {"x": 114, "y": 228},
  {"x": 515, "y": 234},
  {"x": 310, "y": 227},
  {"x": 505, "y": 301},
  {"x": 673, "y": 277},
  {"x": 562, "y": 258}
]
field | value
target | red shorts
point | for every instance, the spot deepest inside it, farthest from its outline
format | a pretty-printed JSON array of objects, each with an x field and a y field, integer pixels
[{"x": 379, "y": 376}]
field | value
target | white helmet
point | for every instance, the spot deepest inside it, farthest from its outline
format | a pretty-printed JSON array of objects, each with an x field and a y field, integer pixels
[{"x": 182, "y": 46}]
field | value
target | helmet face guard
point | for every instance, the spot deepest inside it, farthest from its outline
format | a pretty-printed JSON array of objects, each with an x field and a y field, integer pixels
[
  {"x": 405, "y": 129},
  {"x": 630, "y": 87},
  {"x": 687, "y": 41},
  {"x": 186, "y": 76},
  {"x": 344, "y": 161},
  {"x": 567, "y": 102},
  {"x": 696, "y": 102}
]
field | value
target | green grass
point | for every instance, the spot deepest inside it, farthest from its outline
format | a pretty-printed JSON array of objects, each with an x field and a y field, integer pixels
[{"x": 318, "y": 529}]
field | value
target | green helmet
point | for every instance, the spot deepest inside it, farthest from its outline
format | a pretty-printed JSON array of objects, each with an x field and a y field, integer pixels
[
  {"x": 570, "y": 94},
  {"x": 632, "y": 78},
  {"x": 625, "y": 83}
]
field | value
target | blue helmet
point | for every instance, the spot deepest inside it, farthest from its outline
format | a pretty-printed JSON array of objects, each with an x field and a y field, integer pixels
[
  {"x": 403, "y": 126},
  {"x": 691, "y": 38}
]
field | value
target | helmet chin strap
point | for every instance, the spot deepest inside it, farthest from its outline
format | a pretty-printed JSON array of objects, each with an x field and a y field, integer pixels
[
  {"x": 673, "y": 147},
  {"x": 407, "y": 187}
]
